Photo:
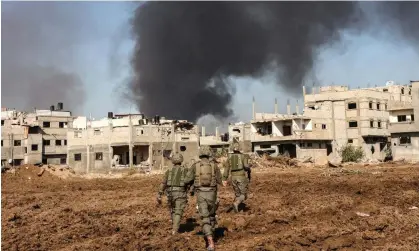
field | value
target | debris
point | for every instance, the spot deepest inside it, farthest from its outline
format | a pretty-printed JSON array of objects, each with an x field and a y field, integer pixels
[
  {"x": 413, "y": 208},
  {"x": 307, "y": 160},
  {"x": 41, "y": 172},
  {"x": 362, "y": 214}
]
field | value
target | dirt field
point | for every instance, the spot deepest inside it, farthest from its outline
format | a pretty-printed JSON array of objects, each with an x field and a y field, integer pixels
[{"x": 291, "y": 209}]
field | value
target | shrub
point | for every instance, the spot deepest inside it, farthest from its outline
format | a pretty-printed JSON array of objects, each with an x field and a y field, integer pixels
[{"x": 349, "y": 153}]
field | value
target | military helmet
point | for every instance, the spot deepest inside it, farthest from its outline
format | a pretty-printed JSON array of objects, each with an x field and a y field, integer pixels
[
  {"x": 205, "y": 151},
  {"x": 177, "y": 158},
  {"x": 236, "y": 147}
]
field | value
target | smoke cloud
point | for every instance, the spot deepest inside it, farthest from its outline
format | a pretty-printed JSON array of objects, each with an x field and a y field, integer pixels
[
  {"x": 185, "y": 51},
  {"x": 39, "y": 40}
]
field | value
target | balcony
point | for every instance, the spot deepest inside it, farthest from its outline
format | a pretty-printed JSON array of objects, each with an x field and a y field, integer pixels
[
  {"x": 297, "y": 135},
  {"x": 401, "y": 127},
  {"x": 397, "y": 105}
]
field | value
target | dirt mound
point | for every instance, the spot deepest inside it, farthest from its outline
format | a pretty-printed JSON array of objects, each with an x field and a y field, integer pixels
[{"x": 292, "y": 209}]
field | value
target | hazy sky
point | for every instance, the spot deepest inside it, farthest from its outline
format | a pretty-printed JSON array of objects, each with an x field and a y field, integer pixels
[{"x": 101, "y": 58}]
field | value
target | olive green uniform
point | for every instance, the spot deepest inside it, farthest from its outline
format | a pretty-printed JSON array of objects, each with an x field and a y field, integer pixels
[
  {"x": 206, "y": 194},
  {"x": 236, "y": 167},
  {"x": 174, "y": 185}
]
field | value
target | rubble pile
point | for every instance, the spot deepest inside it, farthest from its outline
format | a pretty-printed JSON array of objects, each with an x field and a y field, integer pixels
[{"x": 266, "y": 161}]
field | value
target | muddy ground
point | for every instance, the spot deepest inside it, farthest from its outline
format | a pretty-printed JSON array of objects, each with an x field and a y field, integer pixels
[{"x": 291, "y": 209}]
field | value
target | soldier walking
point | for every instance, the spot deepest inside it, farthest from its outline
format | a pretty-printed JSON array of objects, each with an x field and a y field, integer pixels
[
  {"x": 174, "y": 185},
  {"x": 205, "y": 176},
  {"x": 237, "y": 167}
]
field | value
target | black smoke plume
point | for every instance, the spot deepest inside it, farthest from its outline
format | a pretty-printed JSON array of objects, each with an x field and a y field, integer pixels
[{"x": 186, "y": 50}]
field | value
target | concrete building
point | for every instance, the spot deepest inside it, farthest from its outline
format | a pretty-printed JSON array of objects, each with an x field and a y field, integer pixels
[
  {"x": 129, "y": 140},
  {"x": 217, "y": 142},
  {"x": 333, "y": 116},
  {"x": 356, "y": 116},
  {"x": 295, "y": 135},
  {"x": 404, "y": 126},
  {"x": 35, "y": 137}
]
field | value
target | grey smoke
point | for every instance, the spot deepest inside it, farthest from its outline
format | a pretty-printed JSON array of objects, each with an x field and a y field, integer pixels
[
  {"x": 39, "y": 42},
  {"x": 183, "y": 46}
]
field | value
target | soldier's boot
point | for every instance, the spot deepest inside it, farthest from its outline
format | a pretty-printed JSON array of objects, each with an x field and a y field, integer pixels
[
  {"x": 211, "y": 246},
  {"x": 214, "y": 224},
  {"x": 176, "y": 223},
  {"x": 236, "y": 206}
]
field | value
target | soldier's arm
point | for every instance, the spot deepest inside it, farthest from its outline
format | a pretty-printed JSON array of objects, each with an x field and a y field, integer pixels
[
  {"x": 190, "y": 176},
  {"x": 218, "y": 174},
  {"x": 163, "y": 184},
  {"x": 246, "y": 163},
  {"x": 226, "y": 170}
]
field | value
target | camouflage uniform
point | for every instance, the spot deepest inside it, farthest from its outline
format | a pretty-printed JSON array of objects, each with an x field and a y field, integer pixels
[
  {"x": 174, "y": 184},
  {"x": 205, "y": 176},
  {"x": 236, "y": 167}
]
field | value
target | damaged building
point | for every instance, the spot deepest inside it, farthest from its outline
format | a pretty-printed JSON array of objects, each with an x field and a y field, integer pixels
[
  {"x": 129, "y": 140},
  {"x": 333, "y": 116},
  {"x": 34, "y": 137},
  {"x": 219, "y": 143},
  {"x": 404, "y": 126}
]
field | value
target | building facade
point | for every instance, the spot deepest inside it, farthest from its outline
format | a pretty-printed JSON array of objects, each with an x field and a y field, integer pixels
[
  {"x": 404, "y": 126},
  {"x": 35, "y": 137},
  {"x": 122, "y": 141}
]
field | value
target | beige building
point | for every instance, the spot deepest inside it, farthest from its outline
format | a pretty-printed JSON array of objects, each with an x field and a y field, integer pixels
[
  {"x": 404, "y": 126},
  {"x": 35, "y": 137},
  {"x": 129, "y": 140},
  {"x": 333, "y": 116}
]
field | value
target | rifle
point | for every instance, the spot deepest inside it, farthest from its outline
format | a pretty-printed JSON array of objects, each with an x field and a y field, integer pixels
[{"x": 249, "y": 172}]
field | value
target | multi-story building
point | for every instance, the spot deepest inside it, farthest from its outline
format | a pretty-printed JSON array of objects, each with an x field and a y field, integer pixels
[
  {"x": 129, "y": 140},
  {"x": 404, "y": 126},
  {"x": 356, "y": 116},
  {"x": 333, "y": 116},
  {"x": 35, "y": 137},
  {"x": 217, "y": 142}
]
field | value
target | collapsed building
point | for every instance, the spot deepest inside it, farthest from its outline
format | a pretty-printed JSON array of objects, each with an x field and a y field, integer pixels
[
  {"x": 34, "y": 137},
  {"x": 404, "y": 125},
  {"x": 333, "y": 116},
  {"x": 129, "y": 140}
]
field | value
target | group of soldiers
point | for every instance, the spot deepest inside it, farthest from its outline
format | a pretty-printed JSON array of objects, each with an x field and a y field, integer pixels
[{"x": 202, "y": 179}]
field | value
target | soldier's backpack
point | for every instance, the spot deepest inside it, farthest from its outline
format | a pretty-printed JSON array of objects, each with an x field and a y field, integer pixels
[
  {"x": 176, "y": 177},
  {"x": 236, "y": 162},
  {"x": 205, "y": 175}
]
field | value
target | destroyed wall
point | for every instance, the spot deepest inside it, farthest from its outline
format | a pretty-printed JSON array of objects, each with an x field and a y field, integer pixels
[
  {"x": 241, "y": 133},
  {"x": 405, "y": 146}
]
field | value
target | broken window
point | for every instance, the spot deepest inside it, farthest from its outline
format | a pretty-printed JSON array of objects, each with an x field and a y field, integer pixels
[
  {"x": 370, "y": 105},
  {"x": 34, "y": 147},
  {"x": 378, "y": 106},
  {"x": 236, "y": 130},
  {"x": 17, "y": 143},
  {"x": 99, "y": 156},
  {"x": 353, "y": 124},
  {"x": 63, "y": 161},
  {"x": 401, "y": 118},
  {"x": 26, "y": 149},
  {"x": 385, "y": 90},
  {"x": 46, "y": 124},
  {"x": 350, "y": 141},
  {"x": 65, "y": 142},
  {"x": 58, "y": 142},
  {"x": 77, "y": 156},
  {"x": 351, "y": 106},
  {"x": 402, "y": 90},
  {"x": 62, "y": 124},
  {"x": 404, "y": 140},
  {"x": 47, "y": 142},
  {"x": 410, "y": 91},
  {"x": 323, "y": 126},
  {"x": 182, "y": 148},
  {"x": 379, "y": 124},
  {"x": 412, "y": 117},
  {"x": 371, "y": 123},
  {"x": 2, "y": 122},
  {"x": 311, "y": 107}
]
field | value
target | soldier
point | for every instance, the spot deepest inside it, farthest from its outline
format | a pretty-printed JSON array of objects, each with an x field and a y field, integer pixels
[
  {"x": 236, "y": 167},
  {"x": 174, "y": 184},
  {"x": 205, "y": 176}
]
